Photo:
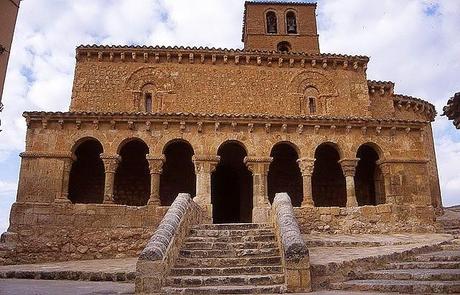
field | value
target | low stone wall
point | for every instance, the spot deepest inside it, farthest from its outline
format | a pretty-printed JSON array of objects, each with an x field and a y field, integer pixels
[
  {"x": 161, "y": 251},
  {"x": 385, "y": 218},
  {"x": 59, "y": 232},
  {"x": 295, "y": 254}
]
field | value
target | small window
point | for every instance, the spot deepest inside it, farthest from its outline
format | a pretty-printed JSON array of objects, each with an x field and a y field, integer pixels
[
  {"x": 148, "y": 102},
  {"x": 291, "y": 23},
  {"x": 272, "y": 23},
  {"x": 284, "y": 46},
  {"x": 312, "y": 105}
]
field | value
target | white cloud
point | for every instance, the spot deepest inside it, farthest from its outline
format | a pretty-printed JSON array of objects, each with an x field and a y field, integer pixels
[{"x": 418, "y": 51}]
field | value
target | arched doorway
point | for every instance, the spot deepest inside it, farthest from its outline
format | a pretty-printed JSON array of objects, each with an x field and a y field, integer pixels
[
  {"x": 231, "y": 189},
  {"x": 368, "y": 177},
  {"x": 328, "y": 182},
  {"x": 178, "y": 172},
  {"x": 132, "y": 179},
  {"x": 86, "y": 180},
  {"x": 284, "y": 173}
]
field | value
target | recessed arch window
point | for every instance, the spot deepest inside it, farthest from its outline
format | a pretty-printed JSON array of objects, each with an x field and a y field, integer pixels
[
  {"x": 310, "y": 101},
  {"x": 284, "y": 46},
  {"x": 272, "y": 22},
  {"x": 291, "y": 22},
  {"x": 312, "y": 104}
]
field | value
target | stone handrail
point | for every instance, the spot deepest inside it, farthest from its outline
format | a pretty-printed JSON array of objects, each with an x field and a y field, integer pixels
[
  {"x": 158, "y": 257},
  {"x": 296, "y": 260}
]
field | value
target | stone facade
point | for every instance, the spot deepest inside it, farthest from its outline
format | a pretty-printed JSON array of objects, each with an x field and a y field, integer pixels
[{"x": 230, "y": 127}]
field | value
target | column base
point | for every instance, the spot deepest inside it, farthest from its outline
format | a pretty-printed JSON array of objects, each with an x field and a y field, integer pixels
[
  {"x": 62, "y": 201},
  {"x": 207, "y": 208},
  {"x": 154, "y": 202},
  {"x": 352, "y": 203},
  {"x": 261, "y": 214}
]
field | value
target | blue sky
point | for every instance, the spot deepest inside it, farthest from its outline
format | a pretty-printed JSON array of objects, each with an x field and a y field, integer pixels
[{"x": 413, "y": 43}]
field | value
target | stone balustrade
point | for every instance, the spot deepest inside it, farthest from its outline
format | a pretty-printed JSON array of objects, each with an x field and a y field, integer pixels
[
  {"x": 294, "y": 250},
  {"x": 157, "y": 258}
]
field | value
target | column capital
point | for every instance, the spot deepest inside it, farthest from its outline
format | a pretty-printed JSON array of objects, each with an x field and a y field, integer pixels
[
  {"x": 306, "y": 166},
  {"x": 384, "y": 166},
  {"x": 111, "y": 162},
  {"x": 349, "y": 166},
  {"x": 258, "y": 165},
  {"x": 205, "y": 163},
  {"x": 155, "y": 163}
]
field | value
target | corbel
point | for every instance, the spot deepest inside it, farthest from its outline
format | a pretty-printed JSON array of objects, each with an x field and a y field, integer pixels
[
  {"x": 225, "y": 59},
  {"x": 202, "y": 58},
  {"x": 313, "y": 63},
  {"x": 269, "y": 61},
  {"x": 61, "y": 124},
  {"x": 267, "y": 127},
  {"x": 133, "y": 56},
  {"x": 280, "y": 62},
  {"x": 96, "y": 124},
  {"x": 213, "y": 59},
  {"x": 300, "y": 128},
  {"x": 88, "y": 56},
  {"x": 324, "y": 63},
  {"x": 182, "y": 126},
  {"x": 291, "y": 62},
  {"x": 179, "y": 58},
  {"x": 333, "y": 128},
  {"x": 122, "y": 56},
  {"x": 355, "y": 65},
  {"x": 216, "y": 126},
  {"x": 237, "y": 59},
  {"x": 168, "y": 57},
  {"x": 334, "y": 64},
  {"x": 112, "y": 124},
  {"x": 382, "y": 91},
  {"x": 146, "y": 57},
  {"x": 345, "y": 64},
  {"x": 393, "y": 131},
  {"x": 111, "y": 56},
  {"x": 364, "y": 130},
  {"x": 407, "y": 130},
  {"x": 302, "y": 62},
  {"x": 284, "y": 127},
  {"x": 28, "y": 122},
  {"x": 250, "y": 127},
  {"x": 130, "y": 125},
  {"x": 165, "y": 125},
  {"x": 200, "y": 127},
  {"x": 99, "y": 56},
  {"x": 148, "y": 125},
  {"x": 191, "y": 58},
  {"x": 408, "y": 105},
  {"x": 157, "y": 57},
  {"x": 248, "y": 59},
  {"x": 44, "y": 123},
  {"x": 348, "y": 129},
  {"x": 234, "y": 126},
  {"x": 78, "y": 124},
  {"x": 316, "y": 129},
  {"x": 259, "y": 60},
  {"x": 378, "y": 129}
]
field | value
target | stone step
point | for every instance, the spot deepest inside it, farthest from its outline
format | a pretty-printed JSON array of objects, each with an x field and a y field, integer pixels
[
  {"x": 200, "y": 281},
  {"x": 182, "y": 262},
  {"x": 228, "y": 246},
  {"x": 425, "y": 265},
  {"x": 401, "y": 286},
  {"x": 439, "y": 256},
  {"x": 233, "y": 239},
  {"x": 69, "y": 275},
  {"x": 230, "y": 232},
  {"x": 229, "y": 253},
  {"x": 222, "y": 271},
  {"x": 414, "y": 274},
  {"x": 269, "y": 289},
  {"x": 323, "y": 243},
  {"x": 233, "y": 226}
]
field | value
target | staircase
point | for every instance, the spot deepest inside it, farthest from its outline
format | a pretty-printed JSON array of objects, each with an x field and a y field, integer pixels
[
  {"x": 228, "y": 259},
  {"x": 436, "y": 272}
]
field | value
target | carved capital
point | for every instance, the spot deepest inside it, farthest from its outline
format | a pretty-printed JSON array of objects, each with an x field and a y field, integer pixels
[
  {"x": 205, "y": 163},
  {"x": 385, "y": 167},
  {"x": 258, "y": 165},
  {"x": 306, "y": 166},
  {"x": 349, "y": 166},
  {"x": 155, "y": 163},
  {"x": 110, "y": 162}
]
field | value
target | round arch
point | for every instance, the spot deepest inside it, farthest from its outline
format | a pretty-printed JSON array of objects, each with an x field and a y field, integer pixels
[
  {"x": 284, "y": 173},
  {"x": 328, "y": 181},
  {"x": 86, "y": 179},
  {"x": 130, "y": 139},
  {"x": 178, "y": 171},
  {"x": 77, "y": 142},
  {"x": 369, "y": 183}
]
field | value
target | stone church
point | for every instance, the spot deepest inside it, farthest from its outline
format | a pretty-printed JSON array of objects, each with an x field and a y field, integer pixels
[{"x": 230, "y": 127}]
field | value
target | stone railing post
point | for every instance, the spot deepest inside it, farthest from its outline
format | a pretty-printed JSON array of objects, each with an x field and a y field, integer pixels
[
  {"x": 156, "y": 168},
  {"x": 261, "y": 206},
  {"x": 296, "y": 258},
  {"x": 204, "y": 166},
  {"x": 162, "y": 250},
  {"x": 110, "y": 166},
  {"x": 306, "y": 168},
  {"x": 67, "y": 167},
  {"x": 349, "y": 169}
]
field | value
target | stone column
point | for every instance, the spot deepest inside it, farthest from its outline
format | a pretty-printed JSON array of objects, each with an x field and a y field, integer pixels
[
  {"x": 67, "y": 166},
  {"x": 204, "y": 166},
  {"x": 156, "y": 168},
  {"x": 137, "y": 96},
  {"x": 386, "y": 173},
  {"x": 306, "y": 168},
  {"x": 348, "y": 169},
  {"x": 110, "y": 166},
  {"x": 259, "y": 168}
]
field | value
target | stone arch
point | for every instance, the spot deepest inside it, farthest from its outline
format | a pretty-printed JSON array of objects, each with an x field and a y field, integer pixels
[
  {"x": 86, "y": 179},
  {"x": 132, "y": 178},
  {"x": 328, "y": 181},
  {"x": 231, "y": 185},
  {"x": 129, "y": 139},
  {"x": 236, "y": 141},
  {"x": 377, "y": 148},
  {"x": 77, "y": 142},
  {"x": 284, "y": 173},
  {"x": 271, "y": 22},
  {"x": 333, "y": 144},
  {"x": 178, "y": 174},
  {"x": 313, "y": 79},
  {"x": 369, "y": 183},
  {"x": 291, "y": 22}
]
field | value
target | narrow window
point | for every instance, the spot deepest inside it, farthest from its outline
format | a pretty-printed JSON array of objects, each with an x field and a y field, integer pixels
[
  {"x": 272, "y": 23},
  {"x": 148, "y": 102},
  {"x": 312, "y": 105},
  {"x": 291, "y": 23}
]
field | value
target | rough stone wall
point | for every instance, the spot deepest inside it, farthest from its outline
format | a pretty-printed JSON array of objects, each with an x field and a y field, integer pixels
[
  {"x": 380, "y": 219},
  {"x": 58, "y": 232}
]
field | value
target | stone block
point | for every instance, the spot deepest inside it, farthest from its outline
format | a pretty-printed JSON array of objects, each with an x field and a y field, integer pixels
[
  {"x": 383, "y": 208},
  {"x": 368, "y": 211}
]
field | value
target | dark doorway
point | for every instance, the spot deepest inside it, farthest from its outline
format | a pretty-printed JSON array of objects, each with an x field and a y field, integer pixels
[
  {"x": 231, "y": 186},
  {"x": 178, "y": 172},
  {"x": 284, "y": 174},
  {"x": 132, "y": 180},
  {"x": 368, "y": 177},
  {"x": 86, "y": 181},
  {"x": 328, "y": 182}
]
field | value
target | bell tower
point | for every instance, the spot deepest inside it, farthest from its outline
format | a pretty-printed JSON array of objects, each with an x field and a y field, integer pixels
[{"x": 280, "y": 26}]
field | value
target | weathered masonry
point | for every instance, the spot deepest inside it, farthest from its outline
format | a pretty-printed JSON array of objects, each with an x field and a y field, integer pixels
[{"x": 230, "y": 127}]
